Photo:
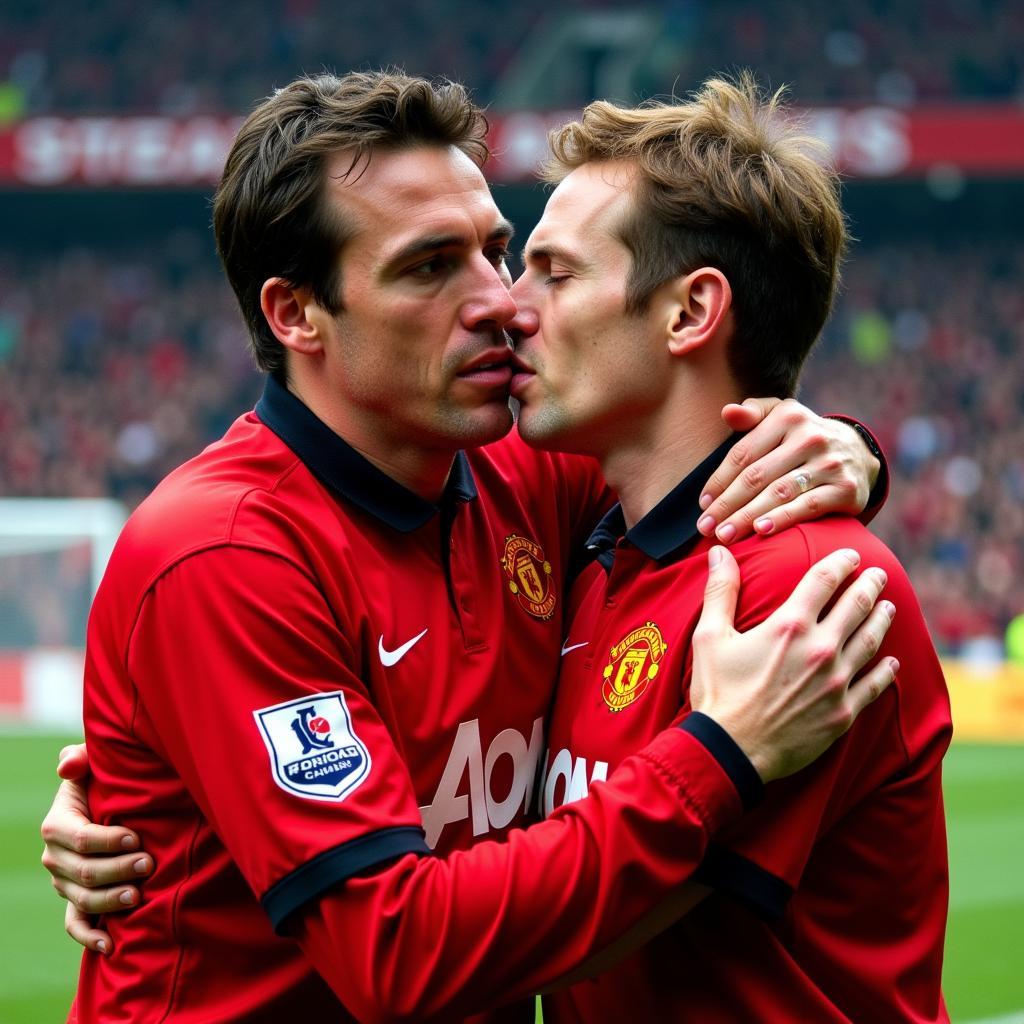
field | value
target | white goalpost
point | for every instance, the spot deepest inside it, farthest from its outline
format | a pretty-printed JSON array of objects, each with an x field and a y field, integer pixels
[{"x": 53, "y": 553}]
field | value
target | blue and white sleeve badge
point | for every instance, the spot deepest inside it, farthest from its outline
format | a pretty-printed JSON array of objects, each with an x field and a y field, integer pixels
[{"x": 314, "y": 751}]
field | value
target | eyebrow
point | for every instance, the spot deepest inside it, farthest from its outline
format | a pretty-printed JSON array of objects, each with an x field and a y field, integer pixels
[
  {"x": 552, "y": 251},
  {"x": 503, "y": 230}
]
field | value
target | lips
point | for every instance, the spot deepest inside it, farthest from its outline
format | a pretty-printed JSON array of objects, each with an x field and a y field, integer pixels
[
  {"x": 489, "y": 369},
  {"x": 484, "y": 368},
  {"x": 521, "y": 376},
  {"x": 487, "y": 361}
]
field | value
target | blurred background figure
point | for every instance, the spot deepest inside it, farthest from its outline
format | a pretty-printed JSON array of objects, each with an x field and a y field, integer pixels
[{"x": 122, "y": 354}]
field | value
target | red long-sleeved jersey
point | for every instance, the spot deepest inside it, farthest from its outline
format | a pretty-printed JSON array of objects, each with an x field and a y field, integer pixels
[{"x": 828, "y": 901}]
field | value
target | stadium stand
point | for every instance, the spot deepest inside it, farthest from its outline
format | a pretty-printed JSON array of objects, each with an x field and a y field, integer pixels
[{"x": 98, "y": 57}]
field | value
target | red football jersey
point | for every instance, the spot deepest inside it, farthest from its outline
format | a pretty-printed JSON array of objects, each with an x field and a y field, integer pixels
[
  {"x": 295, "y": 669},
  {"x": 828, "y": 901}
]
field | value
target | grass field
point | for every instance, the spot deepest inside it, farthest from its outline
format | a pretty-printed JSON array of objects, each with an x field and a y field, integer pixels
[{"x": 985, "y": 950}]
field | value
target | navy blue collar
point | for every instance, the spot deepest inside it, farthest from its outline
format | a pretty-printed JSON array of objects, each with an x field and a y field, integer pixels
[
  {"x": 669, "y": 530},
  {"x": 337, "y": 464}
]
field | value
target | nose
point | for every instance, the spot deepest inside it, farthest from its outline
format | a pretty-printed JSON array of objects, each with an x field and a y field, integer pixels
[
  {"x": 490, "y": 304},
  {"x": 526, "y": 322}
]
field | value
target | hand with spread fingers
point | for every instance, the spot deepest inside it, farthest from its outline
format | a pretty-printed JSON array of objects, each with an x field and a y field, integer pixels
[
  {"x": 787, "y": 689},
  {"x": 792, "y": 466}
]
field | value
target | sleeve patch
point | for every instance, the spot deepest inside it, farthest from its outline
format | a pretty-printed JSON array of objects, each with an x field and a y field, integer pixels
[{"x": 314, "y": 751}]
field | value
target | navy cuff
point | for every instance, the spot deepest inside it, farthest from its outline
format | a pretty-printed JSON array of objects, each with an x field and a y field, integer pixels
[
  {"x": 727, "y": 871},
  {"x": 313, "y": 878},
  {"x": 724, "y": 749}
]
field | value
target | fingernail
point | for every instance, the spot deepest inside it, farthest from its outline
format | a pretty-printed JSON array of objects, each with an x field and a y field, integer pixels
[
  {"x": 889, "y": 608},
  {"x": 101, "y": 945},
  {"x": 880, "y": 575},
  {"x": 129, "y": 843},
  {"x": 127, "y": 898},
  {"x": 852, "y": 555},
  {"x": 895, "y": 666},
  {"x": 726, "y": 533},
  {"x": 705, "y": 501},
  {"x": 715, "y": 557},
  {"x": 141, "y": 866},
  {"x": 706, "y": 524},
  {"x": 764, "y": 526}
]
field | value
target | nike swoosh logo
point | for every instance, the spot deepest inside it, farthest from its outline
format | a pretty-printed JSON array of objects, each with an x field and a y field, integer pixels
[
  {"x": 389, "y": 658},
  {"x": 572, "y": 647}
]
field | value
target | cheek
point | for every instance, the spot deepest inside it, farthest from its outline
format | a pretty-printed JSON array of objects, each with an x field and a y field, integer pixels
[
  {"x": 581, "y": 326},
  {"x": 567, "y": 325},
  {"x": 413, "y": 339},
  {"x": 399, "y": 317},
  {"x": 605, "y": 361}
]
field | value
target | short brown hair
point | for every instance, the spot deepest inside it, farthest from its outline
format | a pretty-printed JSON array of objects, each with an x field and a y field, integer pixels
[
  {"x": 726, "y": 181},
  {"x": 269, "y": 214}
]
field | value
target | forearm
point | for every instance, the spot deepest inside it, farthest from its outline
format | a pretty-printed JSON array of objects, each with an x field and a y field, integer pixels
[{"x": 431, "y": 937}]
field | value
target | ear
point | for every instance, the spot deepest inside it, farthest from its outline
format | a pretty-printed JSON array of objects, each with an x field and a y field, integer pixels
[
  {"x": 701, "y": 307},
  {"x": 291, "y": 315}
]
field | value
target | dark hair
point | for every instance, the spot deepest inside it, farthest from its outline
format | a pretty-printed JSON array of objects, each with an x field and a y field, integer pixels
[
  {"x": 725, "y": 180},
  {"x": 270, "y": 217}
]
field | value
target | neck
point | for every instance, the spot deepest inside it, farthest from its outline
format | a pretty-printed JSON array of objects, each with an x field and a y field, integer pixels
[
  {"x": 676, "y": 439},
  {"x": 424, "y": 471}
]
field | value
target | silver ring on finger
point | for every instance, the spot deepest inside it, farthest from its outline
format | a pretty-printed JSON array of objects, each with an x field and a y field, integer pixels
[{"x": 803, "y": 481}]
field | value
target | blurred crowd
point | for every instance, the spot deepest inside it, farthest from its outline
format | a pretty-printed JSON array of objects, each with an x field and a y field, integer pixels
[
  {"x": 117, "y": 365},
  {"x": 871, "y": 50},
  {"x": 927, "y": 346},
  {"x": 98, "y": 57}
]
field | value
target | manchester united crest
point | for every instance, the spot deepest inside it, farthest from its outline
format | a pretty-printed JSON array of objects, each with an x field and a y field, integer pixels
[
  {"x": 529, "y": 576},
  {"x": 633, "y": 664}
]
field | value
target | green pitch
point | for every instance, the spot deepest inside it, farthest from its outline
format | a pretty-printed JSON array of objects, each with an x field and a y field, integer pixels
[
  {"x": 985, "y": 805},
  {"x": 38, "y": 962},
  {"x": 984, "y": 787}
]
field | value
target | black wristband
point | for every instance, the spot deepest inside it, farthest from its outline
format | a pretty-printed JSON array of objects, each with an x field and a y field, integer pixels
[{"x": 726, "y": 751}]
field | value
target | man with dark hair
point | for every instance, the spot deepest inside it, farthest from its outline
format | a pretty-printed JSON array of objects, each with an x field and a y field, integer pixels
[
  {"x": 315, "y": 636},
  {"x": 272, "y": 216},
  {"x": 690, "y": 252}
]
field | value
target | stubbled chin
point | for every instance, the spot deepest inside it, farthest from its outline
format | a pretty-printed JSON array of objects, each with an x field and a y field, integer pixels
[
  {"x": 536, "y": 429},
  {"x": 487, "y": 424}
]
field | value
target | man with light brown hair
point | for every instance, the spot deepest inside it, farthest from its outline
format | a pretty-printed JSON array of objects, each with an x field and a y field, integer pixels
[{"x": 691, "y": 252}]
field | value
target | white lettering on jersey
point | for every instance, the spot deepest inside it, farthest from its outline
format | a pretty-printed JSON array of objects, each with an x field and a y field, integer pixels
[
  {"x": 467, "y": 757},
  {"x": 574, "y": 776}
]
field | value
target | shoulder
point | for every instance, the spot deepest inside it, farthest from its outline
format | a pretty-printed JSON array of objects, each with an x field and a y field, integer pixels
[
  {"x": 777, "y": 562},
  {"x": 827, "y": 535},
  {"x": 771, "y": 567},
  {"x": 244, "y": 489}
]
